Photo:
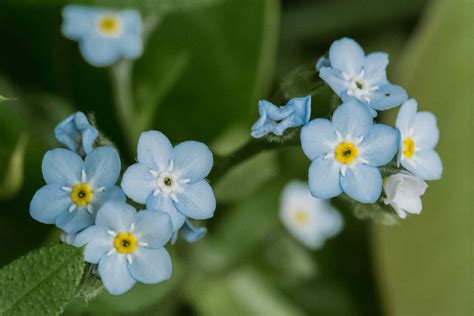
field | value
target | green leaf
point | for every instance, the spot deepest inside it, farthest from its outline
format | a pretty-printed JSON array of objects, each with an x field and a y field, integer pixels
[
  {"x": 12, "y": 179},
  {"x": 42, "y": 282}
]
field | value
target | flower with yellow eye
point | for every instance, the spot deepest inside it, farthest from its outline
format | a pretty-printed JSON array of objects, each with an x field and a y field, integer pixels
[
  {"x": 308, "y": 219},
  {"x": 419, "y": 136},
  {"x": 104, "y": 35},
  {"x": 346, "y": 152},
  {"x": 128, "y": 246},
  {"x": 75, "y": 189}
]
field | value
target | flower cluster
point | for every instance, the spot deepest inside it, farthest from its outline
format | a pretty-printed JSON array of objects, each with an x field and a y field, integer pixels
[
  {"x": 348, "y": 151},
  {"x": 81, "y": 198}
]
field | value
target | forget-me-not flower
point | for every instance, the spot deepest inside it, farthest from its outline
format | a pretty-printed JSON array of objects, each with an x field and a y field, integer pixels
[
  {"x": 76, "y": 189},
  {"x": 419, "y": 136},
  {"x": 77, "y": 133},
  {"x": 128, "y": 246},
  {"x": 171, "y": 179},
  {"x": 104, "y": 35},
  {"x": 276, "y": 120},
  {"x": 346, "y": 153},
  {"x": 353, "y": 75},
  {"x": 310, "y": 220}
]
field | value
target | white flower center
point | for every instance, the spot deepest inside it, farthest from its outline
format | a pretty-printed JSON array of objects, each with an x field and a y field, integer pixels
[
  {"x": 358, "y": 87},
  {"x": 169, "y": 182},
  {"x": 346, "y": 152}
]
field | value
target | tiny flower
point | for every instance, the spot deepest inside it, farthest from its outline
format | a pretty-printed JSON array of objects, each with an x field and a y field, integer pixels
[
  {"x": 104, "y": 36},
  {"x": 310, "y": 220},
  {"x": 346, "y": 152},
  {"x": 128, "y": 246},
  {"x": 419, "y": 136},
  {"x": 276, "y": 120},
  {"x": 77, "y": 133},
  {"x": 171, "y": 179},
  {"x": 76, "y": 189},
  {"x": 403, "y": 192},
  {"x": 192, "y": 233},
  {"x": 353, "y": 75}
]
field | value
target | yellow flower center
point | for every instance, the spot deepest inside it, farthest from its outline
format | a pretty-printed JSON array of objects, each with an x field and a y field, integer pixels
[
  {"x": 109, "y": 25},
  {"x": 125, "y": 243},
  {"x": 408, "y": 147},
  {"x": 300, "y": 217},
  {"x": 346, "y": 152},
  {"x": 82, "y": 194}
]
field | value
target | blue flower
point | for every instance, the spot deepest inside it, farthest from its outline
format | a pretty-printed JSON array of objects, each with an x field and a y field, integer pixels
[
  {"x": 77, "y": 133},
  {"x": 346, "y": 152},
  {"x": 171, "y": 179},
  {"x": 76, "y": 189},
  {"x": 104, "y": 36},
  {"x": 276, "y": 120},
  {"x": 352, "y": 75},
  {"x": 128, "y": 246},
  {"x": 419, "y": 136}
]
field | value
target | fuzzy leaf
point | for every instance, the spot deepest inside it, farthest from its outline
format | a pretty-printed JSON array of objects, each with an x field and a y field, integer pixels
[{"x": 42, "y": 282}]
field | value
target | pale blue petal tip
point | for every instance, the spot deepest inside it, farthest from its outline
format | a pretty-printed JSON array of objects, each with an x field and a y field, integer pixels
[{"x": 191, "y": 233}]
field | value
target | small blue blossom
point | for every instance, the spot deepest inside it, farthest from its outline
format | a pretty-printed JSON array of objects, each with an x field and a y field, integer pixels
[
  {"x": 104, "y": 36},
  {"x": 76, "y": 189},
  {"x": 77, "y": 133},
  {"x": 419, "y": 136},
  {"x": 276, "y": 120},
  {"x": 128, "y": 246},
  {"x": 353, "y": 75},
  {"x": 171, "y": 179},
  {"x": 346, "y": 152}
]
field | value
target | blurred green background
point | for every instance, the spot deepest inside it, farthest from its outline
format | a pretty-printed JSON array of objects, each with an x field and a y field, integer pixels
[{"x": 205, "y": 65}]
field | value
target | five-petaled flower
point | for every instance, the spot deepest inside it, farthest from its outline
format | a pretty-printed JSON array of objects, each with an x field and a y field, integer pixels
[
  {"x": 276, "y": 120},
  {"x": 104, "y": 36},
  {"x": 77, "y": 133},
  {"x": 76, "y": 189},
  {"x": 310, "y": 220},
  {"x": 128, "y": 246},
  {"x": 171, "y": 179},
  {"x": 352, "y": 75},
  {"x": 403, "y": 192},
  {"x": 419, "y": 136},
  {"x": 346, "y": 152}
]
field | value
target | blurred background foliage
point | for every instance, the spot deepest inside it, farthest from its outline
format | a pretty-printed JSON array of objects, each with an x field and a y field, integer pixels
[{"x": 206, "y": 63}]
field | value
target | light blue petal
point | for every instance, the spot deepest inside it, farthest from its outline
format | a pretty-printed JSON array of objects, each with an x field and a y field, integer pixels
[
  {"x": 259, "y": 132},
  {"x": 347, "y": 56},
  {"x": 323, "y": 178},
  {"x": 115, "y": 274},
  {"x": 406, "y": 116},
  {"x": 193, "y": 160},
  {"x": 362, "y": 183},
  {"x": 62, "y": 166},
  {"x": 425, "y": 164},
  {"x": 76, "y": 221},
  {"x": 197, "y": 201},
  {"x": 100, "y": 51},
  {"x": 138, "y": 183},
  {"x": 114, "y": 194},
  {"x": 374, "y": 68},
  {"x": 154, "y": 150},
  {"x": 333, "y": 78},
  {"x": 299, "y": 114},
  {"x": 426, "y": 132},
  {"x": 131, "y": 41},
  {"x": 151, "y": 266},
  {"x": 322, "y": 61},
  {"x": 317, "y": 138},
  {"x": 76, "y": 131},
  {"x": 116, "y": 216},
  {"x": 165, "y": 204},
  {"x": 97, "y": 243},
  {"x": 153, "y": 227},
  {"x": 380, "y": 145},
  {"x": 102, "y": 167},
  {"x": 78, "y": 21},
  {"x": 48, "y": 203},
  {"x": 131, "y": 22},
  {"x": 352, "y": 118},
  {"x": 387, "y": 97},
  {"x": 191, "y": 233}
]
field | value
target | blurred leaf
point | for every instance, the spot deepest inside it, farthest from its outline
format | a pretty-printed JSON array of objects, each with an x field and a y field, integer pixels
[
  {"x": 13, "y": 176},
  {"x": 42, "y": 282},
  {"x": 425, "y": 264}
]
